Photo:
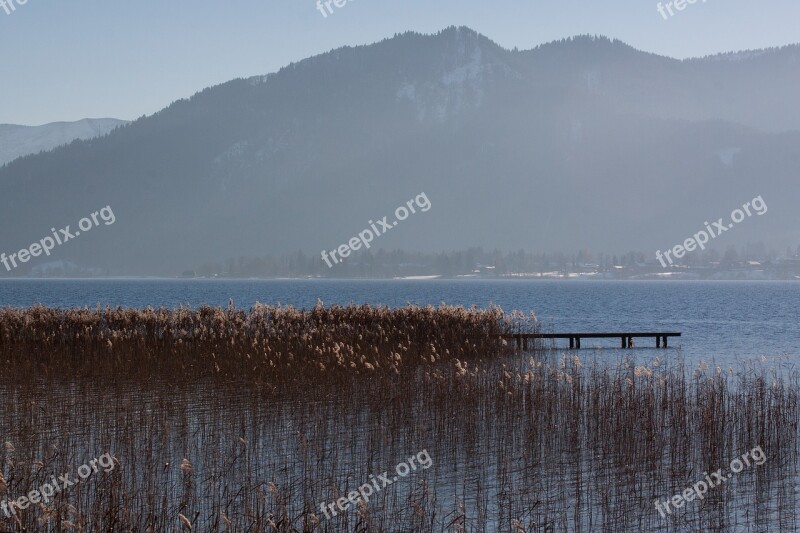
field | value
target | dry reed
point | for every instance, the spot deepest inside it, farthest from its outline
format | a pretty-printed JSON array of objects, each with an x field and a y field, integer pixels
[{"x": 230, "y": 420}]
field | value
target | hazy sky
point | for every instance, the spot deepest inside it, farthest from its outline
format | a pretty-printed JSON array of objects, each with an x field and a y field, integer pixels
[{"x": 66, "y": 60}]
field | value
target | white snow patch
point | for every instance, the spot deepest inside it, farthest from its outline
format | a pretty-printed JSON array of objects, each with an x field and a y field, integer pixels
[{"x": 470, "y": 72}]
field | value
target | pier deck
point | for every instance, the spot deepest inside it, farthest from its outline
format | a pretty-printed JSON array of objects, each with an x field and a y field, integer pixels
[{"x": 626, "y": 338}]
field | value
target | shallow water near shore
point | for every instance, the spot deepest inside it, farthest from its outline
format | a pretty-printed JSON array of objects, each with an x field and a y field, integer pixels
[
  {"x": 253, "y": 420},
  {"x": 496, "y": 461}
]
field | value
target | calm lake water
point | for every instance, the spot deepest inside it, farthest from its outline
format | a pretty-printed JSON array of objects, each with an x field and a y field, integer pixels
[
  {"x": 723, "y": 322},
  {"x": 502, "y": 460}
]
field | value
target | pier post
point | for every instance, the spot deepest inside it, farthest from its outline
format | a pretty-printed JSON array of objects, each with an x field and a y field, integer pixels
[{"x": 626, "y": 339}]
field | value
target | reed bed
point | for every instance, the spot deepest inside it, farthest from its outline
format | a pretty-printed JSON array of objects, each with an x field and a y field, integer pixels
[
  {"x": 229, "y": 420},
  {"x": 270, "y": 344}
]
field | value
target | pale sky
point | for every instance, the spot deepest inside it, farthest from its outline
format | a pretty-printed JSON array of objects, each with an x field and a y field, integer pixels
[{"x": 67, "y": 60}]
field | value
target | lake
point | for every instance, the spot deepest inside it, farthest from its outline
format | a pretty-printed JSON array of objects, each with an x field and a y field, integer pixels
[
  {"x": 722, "y": 322},
  {"x": 538, "y": 442}
]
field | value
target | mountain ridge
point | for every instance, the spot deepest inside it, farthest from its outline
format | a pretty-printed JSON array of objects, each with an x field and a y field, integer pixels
[
  {"x": 563, "y": 137},
  {"x": 18, "y": 140}
]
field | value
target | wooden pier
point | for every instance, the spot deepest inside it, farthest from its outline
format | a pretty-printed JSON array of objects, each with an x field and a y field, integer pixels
[{"x": 626, "y": 339}]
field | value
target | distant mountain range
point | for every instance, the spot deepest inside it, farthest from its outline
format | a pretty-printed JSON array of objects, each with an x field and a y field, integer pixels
[
  {"x": 584, "y": 143},
  {"x": 17, "y": 141}
]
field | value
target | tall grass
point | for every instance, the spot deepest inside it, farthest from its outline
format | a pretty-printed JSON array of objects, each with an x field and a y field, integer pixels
[
  {"x": 230, "y": 420},
  {"x": 275, "y": 344}
]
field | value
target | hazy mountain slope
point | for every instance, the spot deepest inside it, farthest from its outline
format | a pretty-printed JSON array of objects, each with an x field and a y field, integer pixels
[
  {"x": 567, "y": 138},
  {"x": 754, "y": 88},
  {"x": 17, "y": 141}
]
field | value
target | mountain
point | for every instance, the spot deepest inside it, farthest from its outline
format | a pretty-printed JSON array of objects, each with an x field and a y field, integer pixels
[
  {"x": 584, "y": 143},
  {"x": 17, "y": 141}
]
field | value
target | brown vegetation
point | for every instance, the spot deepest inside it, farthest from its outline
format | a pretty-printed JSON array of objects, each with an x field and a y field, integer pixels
[
  {"x": 226, "y": 420},
  {"x": 269, "y": 344}
]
